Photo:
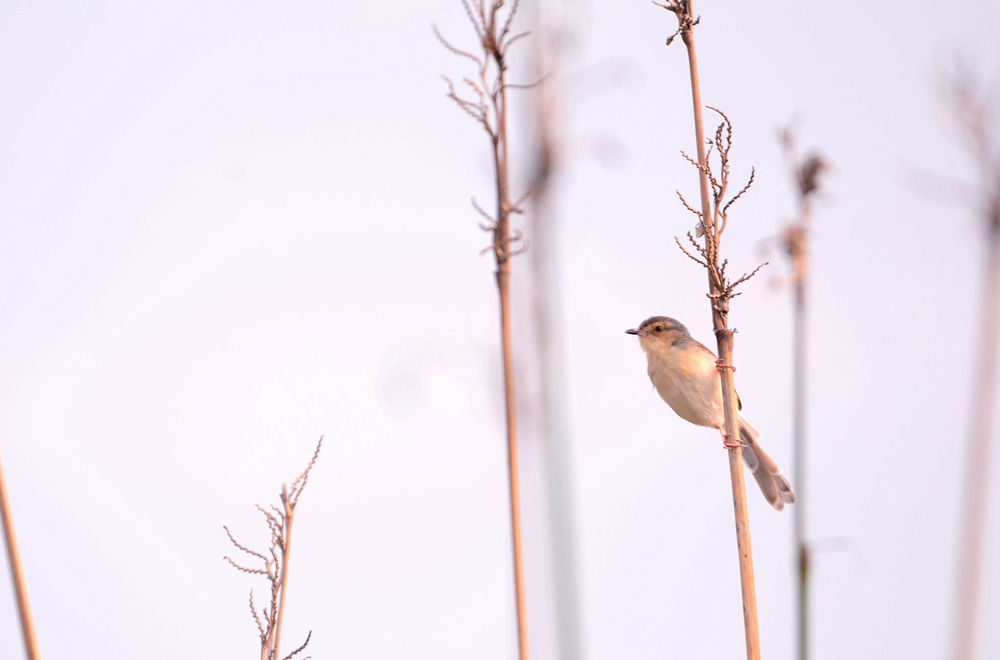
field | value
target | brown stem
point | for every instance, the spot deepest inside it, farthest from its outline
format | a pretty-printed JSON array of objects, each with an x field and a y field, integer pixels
[
  {"x": 502, "y": 248},
  {"x": 17, "y": 575},
  {"x": 285, "y": 549},
  {"x": 503, "y": 282},
  {"x": 495, "y": 40},
  {"x": 724, "y": 338}
]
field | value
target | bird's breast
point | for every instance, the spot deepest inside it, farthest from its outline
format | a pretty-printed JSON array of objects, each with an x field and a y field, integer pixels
[{"x": 689, "y": 388}]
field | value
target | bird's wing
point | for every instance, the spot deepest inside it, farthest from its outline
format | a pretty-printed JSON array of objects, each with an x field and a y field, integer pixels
[
  {"x": 739, "y": 404},
  {"x": 704, "y": 348}
]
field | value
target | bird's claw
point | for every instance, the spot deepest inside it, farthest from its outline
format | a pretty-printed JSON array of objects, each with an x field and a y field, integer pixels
[{"x": 725, "y": 440}]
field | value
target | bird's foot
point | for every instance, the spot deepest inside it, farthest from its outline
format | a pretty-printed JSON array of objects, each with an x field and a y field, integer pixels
[
  {"x": 721, "y": 366},
  {"x": 725, "y": 440}
]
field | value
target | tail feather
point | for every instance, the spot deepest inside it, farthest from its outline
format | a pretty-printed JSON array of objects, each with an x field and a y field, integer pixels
[{"x": 773, "y": 483}]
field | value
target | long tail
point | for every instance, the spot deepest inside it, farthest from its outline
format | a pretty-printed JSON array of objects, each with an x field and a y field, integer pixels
[{"x": 773, "y": 483}]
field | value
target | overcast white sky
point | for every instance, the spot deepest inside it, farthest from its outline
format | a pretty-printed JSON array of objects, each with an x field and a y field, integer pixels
[{"x": 227, "y": 228}]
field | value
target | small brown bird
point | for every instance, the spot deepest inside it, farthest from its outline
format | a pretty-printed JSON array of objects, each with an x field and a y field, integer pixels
[{"x": 685, "y": 374}]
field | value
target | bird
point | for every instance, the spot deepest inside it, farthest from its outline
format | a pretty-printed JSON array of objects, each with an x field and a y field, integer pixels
[{"x": 685, "y": 374}]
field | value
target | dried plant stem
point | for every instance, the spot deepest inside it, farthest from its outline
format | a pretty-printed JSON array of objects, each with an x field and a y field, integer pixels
[
  {"x": 503, "y": 284},
  {"x": 724, "y": 338},
  {"x": 286, "y": 547},
  {"x": 979, "y": 459},
  {"x": 487, "y": 104},
  {"x": 274, "y": 565},
  {"x": 719, "y": 294},
  {"x": 502, "y": 240},
  {"x": 17, "y": 575}
]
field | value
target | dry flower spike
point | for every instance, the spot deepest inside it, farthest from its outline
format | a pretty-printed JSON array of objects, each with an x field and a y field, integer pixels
[
  {"x": 712, "y": 228},
  {"x": 274, "y": 564}
]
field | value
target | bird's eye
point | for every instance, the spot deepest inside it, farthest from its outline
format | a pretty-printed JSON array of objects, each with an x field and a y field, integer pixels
[{"x": 659, "y": 328}]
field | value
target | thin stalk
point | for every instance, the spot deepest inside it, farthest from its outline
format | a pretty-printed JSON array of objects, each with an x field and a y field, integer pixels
[
  {"x": 978, "y": 460},
  {"x": 503, "y": 286},
  {"x": 17, "y": 575},
  {"x": 502, "y": 249},
  {"x": 285, "y": 553},
  {"x": 724, "y": 339},
  {"x": 487, "y": 104},
  {"x": 503, "y": 282}
]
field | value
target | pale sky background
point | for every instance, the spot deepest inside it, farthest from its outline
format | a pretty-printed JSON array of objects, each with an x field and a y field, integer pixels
[{"x": 227, "y": 228}]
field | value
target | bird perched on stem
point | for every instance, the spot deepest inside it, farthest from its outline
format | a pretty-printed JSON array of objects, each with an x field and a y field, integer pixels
[{"x": 686, "y": 375}]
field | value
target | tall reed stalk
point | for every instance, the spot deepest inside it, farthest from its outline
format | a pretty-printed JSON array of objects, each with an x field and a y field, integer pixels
[
  {"x": 486, "y": 102},
  {"x": 712, "y": 219}
]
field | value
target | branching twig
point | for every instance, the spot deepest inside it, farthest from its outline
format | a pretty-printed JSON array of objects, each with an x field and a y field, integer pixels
[
  {"x": 300, "y": 482},
  {"x": 700, "y": 250},
  {"x": 256, "y": 618},
  {"x": 741, "y": 279},
  {"x": 712, "y": 221},
  {"x": 682, "y": 10},
  {"x": 301, "y": 648},
  {"x": 246, "y": 569},
  {"x": 242, "y": 547},
  {"x": 275, "y": 568},
  {"x": 689, "y": 208},
  {"x": 456, "y": 51}
]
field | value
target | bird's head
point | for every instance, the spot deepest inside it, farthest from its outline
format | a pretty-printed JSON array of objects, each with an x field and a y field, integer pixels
[{"x": 659, "y": 332}]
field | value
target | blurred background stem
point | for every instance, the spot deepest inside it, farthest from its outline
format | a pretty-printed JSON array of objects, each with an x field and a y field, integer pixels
[
  {"x": 976, "y": 116},
  {"x": 806, "y": 174},
  {"x": 978, "y": 458},
  {"x": 799, "y": 462}
]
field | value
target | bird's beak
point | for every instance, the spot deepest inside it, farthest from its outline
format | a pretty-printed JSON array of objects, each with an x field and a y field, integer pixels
[{"x": 633, "y": 331}]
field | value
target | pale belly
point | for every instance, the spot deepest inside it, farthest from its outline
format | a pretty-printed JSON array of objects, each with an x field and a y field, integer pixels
[{"x": 695, "y": 395}]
